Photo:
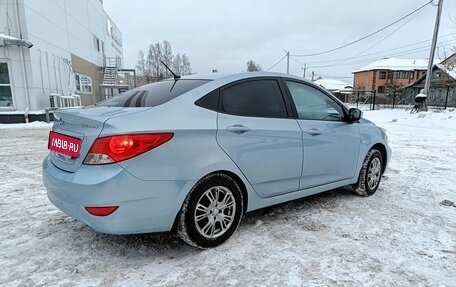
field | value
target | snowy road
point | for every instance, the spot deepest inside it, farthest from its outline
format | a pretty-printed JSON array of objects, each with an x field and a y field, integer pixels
[{"x": 401, "y": 236}]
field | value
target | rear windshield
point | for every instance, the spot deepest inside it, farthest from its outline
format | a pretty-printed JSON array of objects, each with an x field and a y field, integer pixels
[{"x": 154, "y": 94}]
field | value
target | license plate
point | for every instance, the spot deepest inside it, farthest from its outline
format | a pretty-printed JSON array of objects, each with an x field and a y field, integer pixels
[{"x": 64, "y": 144}]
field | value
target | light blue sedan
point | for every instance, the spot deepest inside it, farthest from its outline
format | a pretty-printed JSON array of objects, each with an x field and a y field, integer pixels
[{"x": 193, "y": 154}]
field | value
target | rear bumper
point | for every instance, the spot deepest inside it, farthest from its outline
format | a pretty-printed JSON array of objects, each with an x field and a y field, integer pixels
[{"x": 144, "y": 206}]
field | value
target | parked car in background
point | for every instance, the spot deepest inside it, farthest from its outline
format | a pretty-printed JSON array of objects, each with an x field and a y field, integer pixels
[{"x": 194, "y": 154}]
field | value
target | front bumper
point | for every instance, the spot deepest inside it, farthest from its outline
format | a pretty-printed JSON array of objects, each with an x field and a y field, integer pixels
[{"x": 144, "y": 206}]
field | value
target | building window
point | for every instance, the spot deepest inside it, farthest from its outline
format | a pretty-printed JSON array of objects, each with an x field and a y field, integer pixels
[
  {"x": 98, "y": 44},
  {"x": 381, "y": 89},
  {"x": 411, "y": 75},
  {"x": 109, "y": 26},
  {"x": 83, "y": 84},
  {"x": 6, "y": 97},
  {"x": 382, "y": 75}
]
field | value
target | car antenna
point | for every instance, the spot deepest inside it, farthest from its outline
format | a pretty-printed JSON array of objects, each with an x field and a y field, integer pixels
[{"x": 176, "y": 77}]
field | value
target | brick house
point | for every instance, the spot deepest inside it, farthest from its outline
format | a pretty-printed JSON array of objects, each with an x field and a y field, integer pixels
[{"x": 387, "y": 72}]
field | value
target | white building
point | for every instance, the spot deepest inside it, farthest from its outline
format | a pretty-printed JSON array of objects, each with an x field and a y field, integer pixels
[
  {"x": 335, "y": 86},
  {"x": 338, "y": 88},
  {"x": 54, "y": 47}
]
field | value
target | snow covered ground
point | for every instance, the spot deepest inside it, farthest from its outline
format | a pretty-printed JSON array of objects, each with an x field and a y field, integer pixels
[{"x": 404, "y": 235}]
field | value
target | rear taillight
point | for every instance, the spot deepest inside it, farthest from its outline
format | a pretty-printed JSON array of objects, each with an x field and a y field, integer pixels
[{"x": 117, "y": 148}]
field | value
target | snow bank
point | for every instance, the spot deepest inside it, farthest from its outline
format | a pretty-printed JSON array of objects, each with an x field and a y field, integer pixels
[
  {"x": 434, "y": 120},
  {"x": 32, "y": 125}
]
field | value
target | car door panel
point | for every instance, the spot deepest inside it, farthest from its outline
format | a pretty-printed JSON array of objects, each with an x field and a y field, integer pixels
[
  {"x": 259, "y": 137},
  {"x": 331, "y": 155},
  {"x": 269, "y": 154},
  {"x": 331, "y": 144}
]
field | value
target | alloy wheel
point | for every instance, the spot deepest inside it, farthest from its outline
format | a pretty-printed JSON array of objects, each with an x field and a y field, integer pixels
[
  {"x": 215, "y": 212},
  {"x": 374, "y": 173}
]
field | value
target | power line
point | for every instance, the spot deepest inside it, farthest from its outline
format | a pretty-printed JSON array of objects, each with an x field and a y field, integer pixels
[
  {"x": 296, "y": 61},
  {"x": 411, "y": 51},
  {"x": 276, "y": 63},
  {"x": 389, "y": 35},
  {"x": 367, "y": 36},
  {"x": 383, "y": 51},
  {"x": 399, "y": 53}
]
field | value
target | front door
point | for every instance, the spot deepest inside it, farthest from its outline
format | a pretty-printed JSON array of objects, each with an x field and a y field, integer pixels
[{"x": 331, "y": 145}]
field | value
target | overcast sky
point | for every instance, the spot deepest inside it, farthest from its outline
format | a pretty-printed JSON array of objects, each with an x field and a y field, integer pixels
[{"x": 224, "y": 35}]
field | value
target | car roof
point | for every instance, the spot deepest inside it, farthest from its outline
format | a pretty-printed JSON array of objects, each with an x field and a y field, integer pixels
[{"x": 237, "y": 76}]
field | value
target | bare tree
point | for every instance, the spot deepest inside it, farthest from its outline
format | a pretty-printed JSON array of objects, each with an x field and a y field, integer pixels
[
  {"x": 177, "y": 64},
  {"x": 150, "y": 62},
  {"x": 150, "y": 69},
  {"x": 153, "y": 63},
  {"x": 253, "y": 67},
  {"x": 393, "y": 93},
  {"x": 167, "y": 57},
  {"x": 157, "y": 52},
  {"x": 186, "y": 67},
  {"x": 141, "y": 69}
]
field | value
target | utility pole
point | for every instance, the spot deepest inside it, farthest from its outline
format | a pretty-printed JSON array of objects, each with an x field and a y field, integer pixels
[
  {"x": 434, "y": 42},
  {"x": 304, "y": 71},
  {"x": 288, "y": 61}
]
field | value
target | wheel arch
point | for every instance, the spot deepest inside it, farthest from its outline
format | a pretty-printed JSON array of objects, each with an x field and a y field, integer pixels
[
  {"x": 230, "y": 174},
  {"x": 382, "y": 149},
  {"x": 235, "y": 177}
]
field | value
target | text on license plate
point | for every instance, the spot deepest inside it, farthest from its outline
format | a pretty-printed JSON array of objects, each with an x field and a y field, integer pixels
[{"x": 63, "y": 144}]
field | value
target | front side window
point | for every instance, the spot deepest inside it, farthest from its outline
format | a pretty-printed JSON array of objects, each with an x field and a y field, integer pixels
[
  {"x": 6, "y": 97},
  {"x": 83, "y": 83},
  {"x": 259, "y": 98},
  {"x": 312, "y": 104}
]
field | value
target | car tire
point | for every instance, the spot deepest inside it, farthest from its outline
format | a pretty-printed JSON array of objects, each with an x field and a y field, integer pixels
[
  {"x": 211, "y": 212},
  {"x": 370, "y": 174}
]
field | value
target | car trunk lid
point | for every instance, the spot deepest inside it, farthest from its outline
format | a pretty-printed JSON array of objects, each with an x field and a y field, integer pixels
[{"x": 85, "y": 125}]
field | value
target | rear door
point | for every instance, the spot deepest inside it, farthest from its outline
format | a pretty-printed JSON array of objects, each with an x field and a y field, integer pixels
[
  {"x": 331, "y": 145},
  {"x": 255, "y": 131}
]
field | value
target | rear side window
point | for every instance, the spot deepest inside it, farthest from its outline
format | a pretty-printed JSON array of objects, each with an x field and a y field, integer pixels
[
  {"x": 154, "y": 94},
  {"x": 209, "y": 101},
  {"x": 259, "y": 98}
]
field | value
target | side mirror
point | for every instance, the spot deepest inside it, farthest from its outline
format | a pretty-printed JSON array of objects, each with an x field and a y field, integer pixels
[{"x": 354, "y": 114}]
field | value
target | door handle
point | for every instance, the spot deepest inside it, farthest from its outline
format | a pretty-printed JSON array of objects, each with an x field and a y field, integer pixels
[
  {"x": 238, "y": 129},
  {"x": 314, "y": 132}
]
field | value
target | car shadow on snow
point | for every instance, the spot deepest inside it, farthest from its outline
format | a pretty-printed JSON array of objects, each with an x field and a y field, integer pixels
[
  {"x": 307, "y": 205},
  {"x": 80, "y": 238}
]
